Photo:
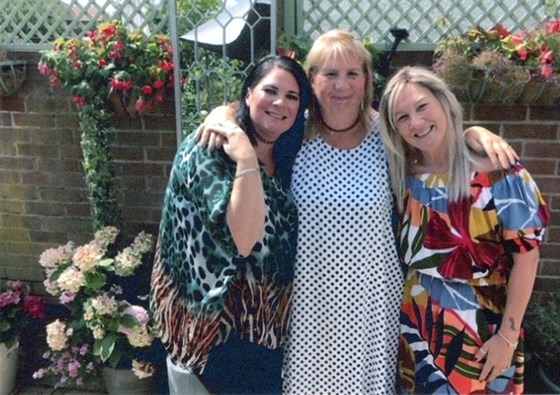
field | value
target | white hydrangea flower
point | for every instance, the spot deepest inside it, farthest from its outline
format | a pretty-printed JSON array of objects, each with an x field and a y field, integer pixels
[
  {"x": 71, "y": 279},
  {"x": 57, "y": 335}
]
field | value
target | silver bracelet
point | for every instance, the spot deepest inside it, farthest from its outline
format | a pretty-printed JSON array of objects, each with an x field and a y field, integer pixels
[
  {"x": 246, "y": 171},
  {"x": 509, "y": 343}
]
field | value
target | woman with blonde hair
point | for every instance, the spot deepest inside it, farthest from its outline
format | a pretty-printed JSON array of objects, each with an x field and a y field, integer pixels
[{"x": 469, "y": 237}]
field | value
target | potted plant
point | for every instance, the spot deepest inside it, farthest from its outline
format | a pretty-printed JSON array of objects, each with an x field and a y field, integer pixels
[
  {"x": 497, "y": 66},
  {"x": 17, "y": 308},
  {"x": 107, "y": 324},
  {"x": 542, "y": 333},
  {"x": 112, "y": 65}
]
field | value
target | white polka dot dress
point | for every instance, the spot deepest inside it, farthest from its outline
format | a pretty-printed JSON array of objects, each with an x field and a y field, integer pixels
[{"x": 348, "y": 283}]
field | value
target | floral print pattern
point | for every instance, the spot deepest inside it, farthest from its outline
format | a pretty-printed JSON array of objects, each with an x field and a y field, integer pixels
[{"x": 457, "y": 256}]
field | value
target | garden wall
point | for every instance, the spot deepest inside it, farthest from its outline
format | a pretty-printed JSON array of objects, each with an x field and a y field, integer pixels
[{"x": 43, "y": 197}]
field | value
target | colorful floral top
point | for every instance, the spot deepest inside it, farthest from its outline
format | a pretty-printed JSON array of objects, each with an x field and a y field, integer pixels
[
  {"x": 458, "y": 257},
  {"x": 469, "y": 241},
  {"x": 202, "y": 289}
]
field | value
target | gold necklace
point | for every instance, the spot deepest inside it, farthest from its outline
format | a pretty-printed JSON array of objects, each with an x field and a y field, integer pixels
[
  {"x": 333, "y": 130},
  {"x": 263, "y": 140}
]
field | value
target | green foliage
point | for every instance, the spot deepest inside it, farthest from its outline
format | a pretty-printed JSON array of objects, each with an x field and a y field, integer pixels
[
  {"x": 296, "y": 46},
  {"x": 542, "y": 328},
  {"x": 112, "y": 64}
]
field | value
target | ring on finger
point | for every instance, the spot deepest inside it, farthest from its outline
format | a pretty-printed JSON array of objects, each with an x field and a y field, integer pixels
[{"x": 483, "y": 350}]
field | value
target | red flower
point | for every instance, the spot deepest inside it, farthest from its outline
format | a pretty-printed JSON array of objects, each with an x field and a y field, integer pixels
[
  {"x": 121, "y": 85},
  {"x": 523, "y": 54},
  {"x": 502, "y": 31},
  {"x": 142, "y": 105},
  {"x": 547, "y": 57},
  {"x": 116, "y": 55},
  {"x": 147, "y": 90},
  {"x": 34, "y": 306},
  {"x": 109, "y": 31},
  {"x": 547, "y": 70},
  {"x": 283, "y": 52},
  {"x": 166, "y": 66},
  {"x": 553, "y": 27},
  {"x": 158, "y": 84},
  {"x": 92, "y": 34},
  {"x": 79, "y": 100}
]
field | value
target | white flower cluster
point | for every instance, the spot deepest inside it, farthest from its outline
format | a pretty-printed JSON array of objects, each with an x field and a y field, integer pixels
[
  {"x": 130, "y": 258},
  {"x": 57, "y": 335},
  {"x": 81, "y": 277}
]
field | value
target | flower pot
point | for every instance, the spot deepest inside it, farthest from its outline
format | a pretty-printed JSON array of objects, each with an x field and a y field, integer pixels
[
  {"x": 8, "y": 368},
  {"x": 124, "y": 381},
  {"x": 12, "y": 75}
]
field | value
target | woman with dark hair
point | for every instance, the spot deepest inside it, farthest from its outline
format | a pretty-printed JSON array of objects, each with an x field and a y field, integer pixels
[{"x": 223, "y": 274}]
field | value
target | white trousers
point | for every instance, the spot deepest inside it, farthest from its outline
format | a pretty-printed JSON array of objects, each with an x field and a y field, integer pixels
[{"x": 182, "y": 381}]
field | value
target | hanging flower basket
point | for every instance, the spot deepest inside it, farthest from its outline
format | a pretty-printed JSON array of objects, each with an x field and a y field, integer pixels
[
  {"x": 12, "y": 75},
  {"x": 516, "y": 86},
  {"x": 497, "y": 66}
]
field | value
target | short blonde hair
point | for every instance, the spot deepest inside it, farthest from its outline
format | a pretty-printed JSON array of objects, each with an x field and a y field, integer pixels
[{"x": 338, "y": 44}]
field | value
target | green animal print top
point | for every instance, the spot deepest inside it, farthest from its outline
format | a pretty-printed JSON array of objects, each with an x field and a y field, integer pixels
[{"x": 202, "y": 289}]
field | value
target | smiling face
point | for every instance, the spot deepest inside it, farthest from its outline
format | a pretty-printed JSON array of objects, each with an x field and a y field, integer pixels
[
  {"x": 274, "y": 103},
  {"x": 421, "y": 120},
  {"x": 339, "y": 85}
]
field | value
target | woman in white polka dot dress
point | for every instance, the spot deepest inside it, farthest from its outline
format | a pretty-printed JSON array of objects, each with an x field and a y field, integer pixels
[{"x": 348, "y": 283}]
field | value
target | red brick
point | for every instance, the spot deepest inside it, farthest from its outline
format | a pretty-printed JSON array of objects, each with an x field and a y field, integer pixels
[
  {"x": 545, "y": 113},
  {"x": 12, "y": 104},
  {"x": 499, "y": 113},
  {"x": 528, "y": 131},
  {"x": 542, "y": 149}
]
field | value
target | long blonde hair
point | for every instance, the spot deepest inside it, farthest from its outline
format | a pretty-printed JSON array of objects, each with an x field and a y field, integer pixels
[
  {"x": 399, "y": 152},
  {"x": 338, "y": 44}
]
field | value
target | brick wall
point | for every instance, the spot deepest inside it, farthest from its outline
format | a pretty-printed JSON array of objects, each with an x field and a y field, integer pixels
[{"x": 43, "y": 197}]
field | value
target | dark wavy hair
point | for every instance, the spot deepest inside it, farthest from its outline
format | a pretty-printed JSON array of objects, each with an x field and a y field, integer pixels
[{"x": 288, "y": 145}]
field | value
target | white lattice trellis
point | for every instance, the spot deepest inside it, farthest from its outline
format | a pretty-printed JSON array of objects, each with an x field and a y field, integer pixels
[
  {"x": 35, "y": 24},
  {"x": 426, "y": 20}
]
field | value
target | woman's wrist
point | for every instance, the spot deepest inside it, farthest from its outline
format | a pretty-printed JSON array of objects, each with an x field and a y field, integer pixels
[
  {"x": 508, "y": 339},
  {"x": 248, "y": 163}
]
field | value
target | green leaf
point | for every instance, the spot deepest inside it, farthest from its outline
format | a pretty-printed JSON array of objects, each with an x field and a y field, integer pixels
[
  {"x": 129, "y": 321},
  {"x": 95, "y": 280},
  {"x": 115, "y": 358},
  {"x": 106, "y": 262},
  {"x": 107, "y": 346}
]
